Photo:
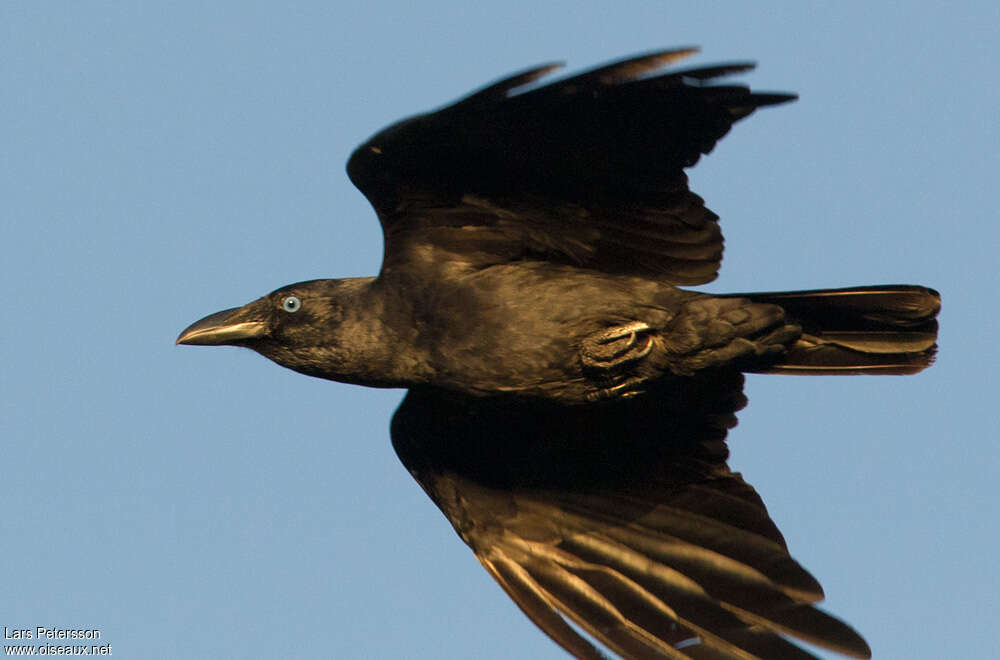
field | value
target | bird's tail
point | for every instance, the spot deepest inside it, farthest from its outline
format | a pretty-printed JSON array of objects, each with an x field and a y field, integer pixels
[{"x": 862, "y": 330}]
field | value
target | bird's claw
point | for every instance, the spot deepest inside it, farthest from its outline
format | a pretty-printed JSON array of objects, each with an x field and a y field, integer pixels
[{"x": 616, "y": 346}]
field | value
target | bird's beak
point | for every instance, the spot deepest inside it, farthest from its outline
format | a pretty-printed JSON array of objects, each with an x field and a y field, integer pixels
[{"x": 226, "y": 327}]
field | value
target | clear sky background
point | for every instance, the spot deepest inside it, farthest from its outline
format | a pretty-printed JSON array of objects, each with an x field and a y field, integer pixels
[{"x": 161, "y": 161}]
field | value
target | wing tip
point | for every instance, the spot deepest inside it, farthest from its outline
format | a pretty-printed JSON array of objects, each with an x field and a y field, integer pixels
[
  {"x": 504, "y": 87},
  {"x": 774, "y": 98}
]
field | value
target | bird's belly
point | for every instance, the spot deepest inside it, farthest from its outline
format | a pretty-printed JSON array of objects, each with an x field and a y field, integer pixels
[{"x": 518, "y": 329}]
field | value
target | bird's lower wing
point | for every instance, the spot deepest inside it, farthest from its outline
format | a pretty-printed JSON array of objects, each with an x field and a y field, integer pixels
[{"x": 622, "y": 519}]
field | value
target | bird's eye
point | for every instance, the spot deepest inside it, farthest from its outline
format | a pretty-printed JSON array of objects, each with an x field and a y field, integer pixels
[{"x": 291, "y": 304}]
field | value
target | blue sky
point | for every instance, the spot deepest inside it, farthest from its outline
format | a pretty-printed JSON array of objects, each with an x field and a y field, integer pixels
[{"x": 162, "y": 161}]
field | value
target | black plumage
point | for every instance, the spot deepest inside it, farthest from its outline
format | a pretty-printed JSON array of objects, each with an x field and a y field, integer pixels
[{"x": 568, "y": 404}]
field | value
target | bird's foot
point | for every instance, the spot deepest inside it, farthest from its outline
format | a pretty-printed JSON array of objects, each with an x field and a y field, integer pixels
[{"x": 617, "y": 346}]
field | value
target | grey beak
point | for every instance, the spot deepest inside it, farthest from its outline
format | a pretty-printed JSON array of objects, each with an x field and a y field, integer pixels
[{"x": 225, "y": 327}]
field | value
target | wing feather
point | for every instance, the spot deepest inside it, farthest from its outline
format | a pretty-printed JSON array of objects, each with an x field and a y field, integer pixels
[
  {"x": 622, "y": 518},
  {"x": 526, "y": 594},
  {"x": 587, "y": 170}
]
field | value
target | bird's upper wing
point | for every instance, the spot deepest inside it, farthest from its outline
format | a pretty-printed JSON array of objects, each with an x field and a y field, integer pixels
[
  {"x": 588, "y": 170},
  {"x": 621, "y": 518}
]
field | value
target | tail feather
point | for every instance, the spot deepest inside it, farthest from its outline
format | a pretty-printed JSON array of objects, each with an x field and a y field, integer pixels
[{"x": 861, "y": 330}]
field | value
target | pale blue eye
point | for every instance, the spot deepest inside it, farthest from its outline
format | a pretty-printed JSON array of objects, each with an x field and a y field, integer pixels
[{"x": 291, "y": 304}]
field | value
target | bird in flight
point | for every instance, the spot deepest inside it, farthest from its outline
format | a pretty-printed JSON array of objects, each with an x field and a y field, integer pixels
[{"x": 567, "y": 403}]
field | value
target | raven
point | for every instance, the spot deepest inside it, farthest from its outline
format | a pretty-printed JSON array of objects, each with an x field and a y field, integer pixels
[{"x": 568, "y": 404}]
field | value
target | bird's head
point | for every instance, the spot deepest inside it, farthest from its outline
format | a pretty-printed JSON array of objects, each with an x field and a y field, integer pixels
[{"x": 302, "y": 326}]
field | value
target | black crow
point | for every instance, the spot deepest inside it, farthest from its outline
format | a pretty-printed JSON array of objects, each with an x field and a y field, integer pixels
[{"x": 568, "y": 404}]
